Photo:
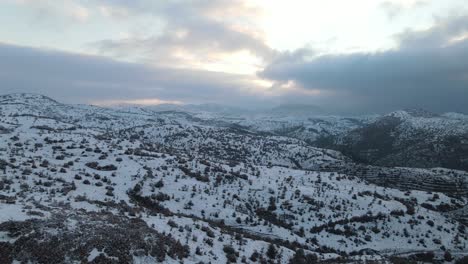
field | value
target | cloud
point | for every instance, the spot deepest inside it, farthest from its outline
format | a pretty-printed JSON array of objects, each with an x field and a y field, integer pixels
[
  {"x": 428, "y": 69},
  {"x": 176, "y": 60},
  {"x": 77, "y": 78},
  {"x": 49, "y": 10},
  {"x": 198, "y": 33},
  {"x": 393, "y": 8},
  {"x": 439, "y": 36}
]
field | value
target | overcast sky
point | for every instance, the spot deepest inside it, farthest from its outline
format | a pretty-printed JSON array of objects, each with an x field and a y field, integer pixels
[{"x": 356, "y": 56}]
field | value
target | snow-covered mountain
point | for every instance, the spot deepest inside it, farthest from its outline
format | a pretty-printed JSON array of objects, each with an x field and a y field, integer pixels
[
  {"x": 408, "y": 138},
  {"x": 84, "y": 184}
]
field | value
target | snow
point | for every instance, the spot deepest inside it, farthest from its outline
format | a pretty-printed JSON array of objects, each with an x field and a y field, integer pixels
[{"x": 212, "y": 172}]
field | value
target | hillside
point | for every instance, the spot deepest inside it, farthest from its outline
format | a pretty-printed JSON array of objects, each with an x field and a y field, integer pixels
[
  {"x": 406, "y": 139},
  {"x": 84, "y": 184}
]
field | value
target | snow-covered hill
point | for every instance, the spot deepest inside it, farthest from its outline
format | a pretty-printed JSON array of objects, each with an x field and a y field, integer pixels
[
  {"x": 85, "y": 184},
  {"x": 406, "y": 138}
]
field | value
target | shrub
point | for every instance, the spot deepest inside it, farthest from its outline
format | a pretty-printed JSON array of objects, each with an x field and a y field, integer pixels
[
  {"x": 271, "y": 252},
  {"x": 231, "y": 253},
  {"x": 301, "y": 258}
]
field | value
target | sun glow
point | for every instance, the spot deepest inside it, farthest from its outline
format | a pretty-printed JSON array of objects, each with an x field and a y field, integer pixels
[{"x": 143, "y": 102}]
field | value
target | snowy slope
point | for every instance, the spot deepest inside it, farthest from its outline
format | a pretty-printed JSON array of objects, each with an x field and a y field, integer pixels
[{"x": 171, "y": 187}]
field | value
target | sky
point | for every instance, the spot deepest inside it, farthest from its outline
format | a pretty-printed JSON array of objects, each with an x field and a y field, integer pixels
[{"x": 354, "y": 56}]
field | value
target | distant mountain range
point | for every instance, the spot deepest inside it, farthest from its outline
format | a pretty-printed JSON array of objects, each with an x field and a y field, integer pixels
[
  {"x": 284, "y": 109},
  {"x": 297, "y": 109}
]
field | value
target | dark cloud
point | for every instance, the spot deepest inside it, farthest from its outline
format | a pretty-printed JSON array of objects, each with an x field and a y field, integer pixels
[
  {"x": 76, "y": 78},
  {"x": 429, "y": 70}
]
